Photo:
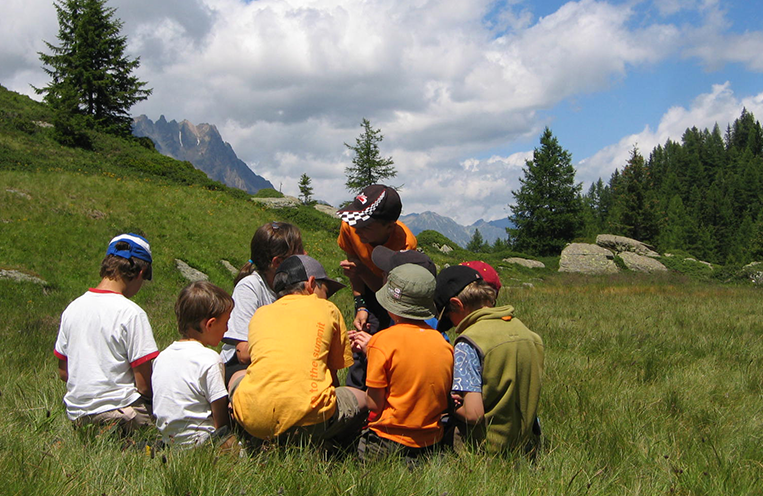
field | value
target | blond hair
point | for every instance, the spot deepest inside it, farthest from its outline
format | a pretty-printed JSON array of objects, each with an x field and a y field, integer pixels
[{"x": 476, "y": 295}]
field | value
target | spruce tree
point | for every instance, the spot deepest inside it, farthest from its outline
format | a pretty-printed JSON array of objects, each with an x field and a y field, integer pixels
[
  {"x": 368, "y": 166},
  {"x": 477, "y": 243},
  {"x": 91, "y": 77},
  {"x": 547, "y": 213}
]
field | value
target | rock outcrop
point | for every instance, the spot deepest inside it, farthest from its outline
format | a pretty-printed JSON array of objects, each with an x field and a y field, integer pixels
[
  {"x": 641, "y": 263},
  {"x": 525, "y": 262},
  {"x": 587, "y": 259},
  {"x": 285, "y": 202},
  {"x": 620, "y": 244},
  {"x": 18, "y": 276},
  {"x": 203, "y": 146},
  {"x": 189, "y": 272}
]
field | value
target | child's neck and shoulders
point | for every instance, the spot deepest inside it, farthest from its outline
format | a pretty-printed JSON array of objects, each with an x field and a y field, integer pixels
[{"x": 407, "y": 329}]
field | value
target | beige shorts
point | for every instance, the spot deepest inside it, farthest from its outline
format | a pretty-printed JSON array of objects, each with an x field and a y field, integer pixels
[{"x": 127, "y": 419}]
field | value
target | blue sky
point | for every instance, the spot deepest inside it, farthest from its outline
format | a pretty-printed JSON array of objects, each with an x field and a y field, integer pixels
[{"x": 461, "y": 90}]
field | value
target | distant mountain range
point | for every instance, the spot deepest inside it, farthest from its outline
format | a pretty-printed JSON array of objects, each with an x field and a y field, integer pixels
[
  {"x": 454, "y": 231},
  {"x": 203, "y": 146}
]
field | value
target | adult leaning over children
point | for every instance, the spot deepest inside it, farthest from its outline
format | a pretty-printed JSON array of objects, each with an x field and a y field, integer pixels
[
  {"x": 290, "y": 391},
  {"x": 371, "y": 220},
  {"x": 498, "y": 364}
]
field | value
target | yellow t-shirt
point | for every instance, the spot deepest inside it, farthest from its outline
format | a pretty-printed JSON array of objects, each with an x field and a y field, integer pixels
[
  {"x": 415, "y": 366},
  {"x": 294, "y": 344},
  {"x": 401, "y": 239}
]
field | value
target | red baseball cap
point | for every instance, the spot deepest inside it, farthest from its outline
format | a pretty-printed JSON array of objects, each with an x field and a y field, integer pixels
[{"x": 487, "y": 272}]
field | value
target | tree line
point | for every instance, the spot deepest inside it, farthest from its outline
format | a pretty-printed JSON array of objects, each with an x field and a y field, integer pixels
[{"x": 701, "y": 195}]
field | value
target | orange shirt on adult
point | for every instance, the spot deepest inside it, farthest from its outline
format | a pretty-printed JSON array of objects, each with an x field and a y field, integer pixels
[
  {"x": 414, "y": 364},
  {"x": 401, "y": 239}
]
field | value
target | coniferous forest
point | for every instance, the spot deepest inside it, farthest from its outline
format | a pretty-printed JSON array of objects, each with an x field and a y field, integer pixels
[{"x": 702, "y": 195}]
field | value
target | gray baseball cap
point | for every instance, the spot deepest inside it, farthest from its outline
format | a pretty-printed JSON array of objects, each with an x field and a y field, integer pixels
[{"x": 300, "y": 268}]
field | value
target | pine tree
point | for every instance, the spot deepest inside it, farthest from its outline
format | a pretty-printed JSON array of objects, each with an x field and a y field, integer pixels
[
  {"x": 91, "y": 77},
  {"x": 548, "y": 205},
  {"x": 305, "y": 189},
  {"x": 368, "y": 166}
]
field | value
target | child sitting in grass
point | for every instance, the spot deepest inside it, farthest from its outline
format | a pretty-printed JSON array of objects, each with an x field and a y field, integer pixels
[
  {"x": 289, "y": 393},
  {"x": 190, "y": 398},
  {"x": 105, "y": 344},
  {"x": 410, "y": 368},
  {"x": 498, "y": 364}
]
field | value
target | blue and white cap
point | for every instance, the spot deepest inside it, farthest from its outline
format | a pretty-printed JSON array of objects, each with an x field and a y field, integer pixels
[{"x": 139, "y": 247}]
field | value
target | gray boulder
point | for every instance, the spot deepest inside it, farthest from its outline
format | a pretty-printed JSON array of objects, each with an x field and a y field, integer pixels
[
  {"x": 585, "y": 258},
  {"x": 619, "y": 244},
  {"x": 445, "y": 249},
  {"x": 18, "y": 276},
  {"x": 326, "y": 209},
  {"x": 754, "y": 272},
  {"x": 189, "y": 272},
  {"x": 524, "y": 262},
  {"x": 233, "y": 270},
  {"x": 640, "y": 263}
]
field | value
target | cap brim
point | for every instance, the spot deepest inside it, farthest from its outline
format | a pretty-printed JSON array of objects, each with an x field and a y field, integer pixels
[
  {"x": 332, "y": 286},
  {"x": 382, "y": 258},
  {"x": 443, "y": 322}
]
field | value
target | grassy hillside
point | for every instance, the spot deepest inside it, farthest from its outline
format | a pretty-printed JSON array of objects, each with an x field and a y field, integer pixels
[{"x": 653, "y": 385}]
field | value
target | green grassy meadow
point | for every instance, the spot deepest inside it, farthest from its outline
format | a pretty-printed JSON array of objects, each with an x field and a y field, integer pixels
[{"x": 653, "y": 385}]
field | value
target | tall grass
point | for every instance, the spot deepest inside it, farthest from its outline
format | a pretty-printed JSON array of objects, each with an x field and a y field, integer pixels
[{"x": 653, "y": 385}]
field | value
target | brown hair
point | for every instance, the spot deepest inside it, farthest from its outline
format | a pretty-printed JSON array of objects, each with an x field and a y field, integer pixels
[
  {"x": 274, "y": 239},
  {"x": 476, "y": 295},
  {"x": 126, "y": 269},
  {"x": 198, "y": 301}
]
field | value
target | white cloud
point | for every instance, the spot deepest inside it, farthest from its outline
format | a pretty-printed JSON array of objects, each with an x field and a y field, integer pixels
[
  {"x": 287, "y": 82},
  {"x": 720, "y": 106}
]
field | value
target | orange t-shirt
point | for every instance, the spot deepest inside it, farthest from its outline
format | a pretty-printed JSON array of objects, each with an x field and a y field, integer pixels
[
  {"x": 414, "y": 364},
  {"x": 401, "y": 239}
]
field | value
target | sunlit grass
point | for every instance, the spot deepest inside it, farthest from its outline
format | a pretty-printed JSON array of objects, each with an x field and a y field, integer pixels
[{"x": 652, "y": 385}]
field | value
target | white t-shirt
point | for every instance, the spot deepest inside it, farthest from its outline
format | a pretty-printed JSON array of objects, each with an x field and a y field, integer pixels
[
  {"x": 103, "y": 335},
  {"x": 187, "y": 378},
  {"x": 249, "y": 294}
]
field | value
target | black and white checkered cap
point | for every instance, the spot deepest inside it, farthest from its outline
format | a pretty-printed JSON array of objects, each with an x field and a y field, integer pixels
[{"x": 374, "y": 202}]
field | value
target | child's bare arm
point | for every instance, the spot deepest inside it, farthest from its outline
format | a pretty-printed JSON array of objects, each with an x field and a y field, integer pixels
[
  {"x": 242, "y": 352},
  {"x": 143, "y": 379},
  {"x": 375, "y": 397},
  {"x": 220, "y": 412},
  {"x": 472, "y": 410},
  {"x": 63, "y": 370}
]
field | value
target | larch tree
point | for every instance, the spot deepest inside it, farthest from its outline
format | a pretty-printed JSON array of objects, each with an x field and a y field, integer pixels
[
  {"x": 305, "y": 189},
  {"x": 368, "y": 166}
]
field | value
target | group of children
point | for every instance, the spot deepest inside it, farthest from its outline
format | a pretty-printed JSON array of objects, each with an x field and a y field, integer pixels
[{"x": 407, "y": 388}]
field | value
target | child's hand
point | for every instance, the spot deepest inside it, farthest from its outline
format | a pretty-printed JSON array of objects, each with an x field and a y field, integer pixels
[
  {"x": 349, "y": 267},
  {"x": 361, "y": 320},
  {"x": 359, "y": 340},
  {"x": 458, "y": 400}
]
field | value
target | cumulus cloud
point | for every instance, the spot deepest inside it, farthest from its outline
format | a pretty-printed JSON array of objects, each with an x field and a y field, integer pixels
[
  {"x": 287, "y": 82},
  {"x": 720, "y": 106}
]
